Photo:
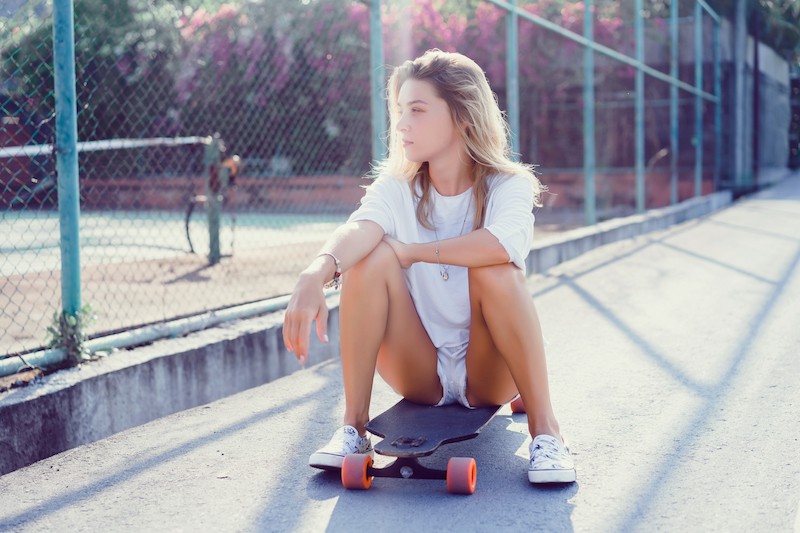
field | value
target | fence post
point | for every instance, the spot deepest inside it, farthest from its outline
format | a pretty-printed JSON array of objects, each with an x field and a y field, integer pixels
[
  {"x": 717, "y": 108},
  {"x": 66, "y": 148},
  {"x": 639, "y": 30},
  {"x": 377, "y": 80},
  {"x": 673, "y": 102},
  {"x": 590, "y": 198},
  {"x": 739, "y": 108},
  {"x": 512, "y": 75},
  {"x": 698, "y": 100},
  {"x": 213, "y": 192}
]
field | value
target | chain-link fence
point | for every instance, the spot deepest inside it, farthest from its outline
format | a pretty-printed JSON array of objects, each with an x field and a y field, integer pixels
[
  {"x": 551, "y": 81},
  {"x": 285, "y": 86},
  {"x": 221, "y": 143},
  {"x": 28, "y": 221}
]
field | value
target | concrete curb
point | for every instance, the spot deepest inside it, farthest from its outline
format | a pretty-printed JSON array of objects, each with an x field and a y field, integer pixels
[
  {"x": 571, "y": 244},
  {"x": 88, "y": 403},
  {"x": 85, "y": 404}
]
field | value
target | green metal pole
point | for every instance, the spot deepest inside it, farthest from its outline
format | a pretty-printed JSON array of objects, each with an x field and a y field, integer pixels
[
  {"x": 590, "y": 197},
  {"x": 213, "y": 192},
  {"x": 639, "y": 30},
  {"x": 698, "y": 100},
  {"x": 512, "y": 75},
  {"x": 67, "y": 155},
  {"x": 376, "y": 76},
  {"x": 717, "y": 108},
  {"x": 673, "y": 103}
]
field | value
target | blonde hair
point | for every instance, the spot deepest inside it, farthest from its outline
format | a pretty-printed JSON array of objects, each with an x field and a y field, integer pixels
[{"x": 460, "y": 82}]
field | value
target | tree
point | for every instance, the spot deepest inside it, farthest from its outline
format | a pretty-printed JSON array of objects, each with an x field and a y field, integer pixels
[{"x": 779, "y": 22}]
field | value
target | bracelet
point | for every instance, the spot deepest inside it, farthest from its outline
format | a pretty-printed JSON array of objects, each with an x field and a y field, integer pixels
[{"x": 336, "y": 281}]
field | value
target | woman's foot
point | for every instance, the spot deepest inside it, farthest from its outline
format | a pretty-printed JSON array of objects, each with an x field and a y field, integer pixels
[
  {"x": 345, "y": 440},
  {"x": 551, "y": 461}
]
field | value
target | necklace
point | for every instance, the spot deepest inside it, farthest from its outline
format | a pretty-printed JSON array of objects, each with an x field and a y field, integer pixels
[{"x": 444, "y": 271}]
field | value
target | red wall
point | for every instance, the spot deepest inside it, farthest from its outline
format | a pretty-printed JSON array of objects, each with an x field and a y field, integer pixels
[{"x": 342, "y": 193}]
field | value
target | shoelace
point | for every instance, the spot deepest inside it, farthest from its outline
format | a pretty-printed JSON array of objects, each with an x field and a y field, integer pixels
[
  {"x": 550, "y": 451},
  {"x": 354, "y": 442}
]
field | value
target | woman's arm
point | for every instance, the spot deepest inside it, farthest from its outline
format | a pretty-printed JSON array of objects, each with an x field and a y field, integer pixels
[
  {"x": 506, "y": 235},
  {"x": 475, "y": 249},
  {"x": 350, "y": 243}
]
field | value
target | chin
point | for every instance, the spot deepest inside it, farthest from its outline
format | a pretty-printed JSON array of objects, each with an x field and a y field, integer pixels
[{"x": 414, "y": 158}]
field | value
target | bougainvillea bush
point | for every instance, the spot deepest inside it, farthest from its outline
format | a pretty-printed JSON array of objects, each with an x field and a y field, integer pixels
[{"x": 286, "y": 82}]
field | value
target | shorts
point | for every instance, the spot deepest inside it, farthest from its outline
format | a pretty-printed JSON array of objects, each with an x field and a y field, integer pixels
[{"x": 452, "y": 369}]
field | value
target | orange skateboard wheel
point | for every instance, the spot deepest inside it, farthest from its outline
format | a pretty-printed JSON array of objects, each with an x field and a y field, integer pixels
[
  {"x": 517, "y": 406},
  {"x": 354, "y": 471},
  {"x": 462, "y": 475}
]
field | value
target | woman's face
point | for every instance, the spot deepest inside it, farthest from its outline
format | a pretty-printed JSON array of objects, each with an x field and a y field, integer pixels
[{"x": 425, "y": 124}]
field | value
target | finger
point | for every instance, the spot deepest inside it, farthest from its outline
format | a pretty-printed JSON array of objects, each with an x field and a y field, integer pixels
[
  {"x": 286, "y": 327},
  {"x": 294, "y": 329},
  {"x": 303, "y": 335},
  {"x": 294, "y": 332},
  {"x": 322, "y": 323},
  {"x": 296, "y": 341}
]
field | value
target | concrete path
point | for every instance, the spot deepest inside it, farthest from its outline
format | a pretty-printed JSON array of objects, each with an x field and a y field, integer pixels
[{"x": 675, "y": 372}]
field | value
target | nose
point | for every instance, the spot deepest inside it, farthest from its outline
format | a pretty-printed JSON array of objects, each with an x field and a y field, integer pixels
[{"x": 401, "y": 124}]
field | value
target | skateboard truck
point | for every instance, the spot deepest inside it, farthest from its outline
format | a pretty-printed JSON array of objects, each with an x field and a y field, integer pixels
[
  {"x": 358, "y": 472},
  {"x": 407, "y": 468}
]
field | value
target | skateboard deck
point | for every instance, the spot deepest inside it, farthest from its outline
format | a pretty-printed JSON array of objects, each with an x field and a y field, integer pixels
[{"x": 413, "y": 430}]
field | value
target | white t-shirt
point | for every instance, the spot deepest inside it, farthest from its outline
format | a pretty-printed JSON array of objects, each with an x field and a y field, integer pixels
[{"x": 443, "y": 306}]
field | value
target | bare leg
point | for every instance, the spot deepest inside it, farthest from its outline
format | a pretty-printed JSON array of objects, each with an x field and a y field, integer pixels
[
  {"x": 380, "y": 328},
  {"x": 506, "y": 350}
]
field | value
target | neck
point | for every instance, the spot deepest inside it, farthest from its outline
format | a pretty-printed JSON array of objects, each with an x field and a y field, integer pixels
[{"x": 451, "y": 176}]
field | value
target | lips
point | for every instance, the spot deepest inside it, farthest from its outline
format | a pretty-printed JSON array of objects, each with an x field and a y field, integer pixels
[{"x": 406, "y": 143}]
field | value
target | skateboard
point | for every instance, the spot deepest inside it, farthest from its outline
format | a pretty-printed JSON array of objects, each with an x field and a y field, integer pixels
[{"x": 411, "y": 431}]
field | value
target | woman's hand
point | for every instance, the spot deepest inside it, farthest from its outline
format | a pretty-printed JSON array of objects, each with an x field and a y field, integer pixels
[
  {"x": 306, "y": 304},
  {"x": 401, "y": 250}
]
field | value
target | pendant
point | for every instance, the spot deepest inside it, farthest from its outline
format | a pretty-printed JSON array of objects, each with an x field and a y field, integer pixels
[{"x": 445, "y": 276}]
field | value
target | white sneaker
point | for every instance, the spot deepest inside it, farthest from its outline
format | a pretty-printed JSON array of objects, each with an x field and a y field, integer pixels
[
  {"x": 551, "y": 461},
  {"x": 345, "y": 441}
]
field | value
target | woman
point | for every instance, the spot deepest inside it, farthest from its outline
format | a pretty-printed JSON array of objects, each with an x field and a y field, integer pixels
[{"x": 432, "y": 267}]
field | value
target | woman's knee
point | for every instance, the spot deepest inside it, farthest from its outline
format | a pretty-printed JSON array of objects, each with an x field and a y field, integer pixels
[
  {"x": 493, "y": 276},
  {"x": 379, "y": 260}
]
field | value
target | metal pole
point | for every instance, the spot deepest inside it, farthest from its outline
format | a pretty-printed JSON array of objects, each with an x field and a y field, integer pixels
[
  {"x": 213, "y": 191},
  {"x": 673, "y": 103},
  {"x": 376, "y": 78},
  {"x": 512, "y": 76},
  {"x": 589, "y": 195},
  {"x": 639, "y": 31},
  {"x": 739, "y": 155},
  {"x": 67, "y": 155},
  {"x": 756, "y": 93},
  {"x": 132, "y": 337},
  {"x": 698, "y": 101},
  {"x": 717, "y": 108}
]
